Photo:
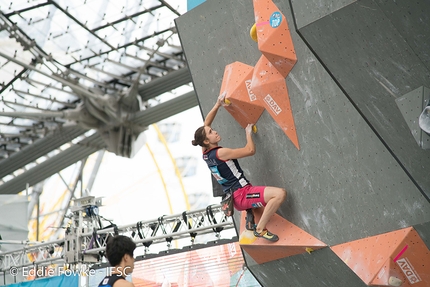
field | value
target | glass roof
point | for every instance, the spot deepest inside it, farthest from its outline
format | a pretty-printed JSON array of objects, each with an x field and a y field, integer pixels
[{"x": 53, "y": 52}]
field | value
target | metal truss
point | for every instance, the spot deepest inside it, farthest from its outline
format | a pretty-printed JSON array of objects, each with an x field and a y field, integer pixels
[
  {"x": 41, "y": 253},
  {"x": 85, "y": 239},
  {"x": 44, "y": 80}
]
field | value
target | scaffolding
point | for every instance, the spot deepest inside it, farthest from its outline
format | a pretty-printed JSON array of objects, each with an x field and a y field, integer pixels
[{"x": 85, "y": 237}]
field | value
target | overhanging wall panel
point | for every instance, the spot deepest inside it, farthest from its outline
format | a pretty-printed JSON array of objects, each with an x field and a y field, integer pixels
[
  {"x": 309, "y": 11},
  {"x": 375, "y": 65},
  {"x": 411, "y": 20}
]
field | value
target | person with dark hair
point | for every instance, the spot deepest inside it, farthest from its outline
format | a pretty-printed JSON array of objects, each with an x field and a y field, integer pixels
[
  {"x": 119, "y": 252},
  {"x": 225, "y": 168}
]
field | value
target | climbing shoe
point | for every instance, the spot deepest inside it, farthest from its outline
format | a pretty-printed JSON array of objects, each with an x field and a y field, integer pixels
[
  {"x": 266, "y": 234},
  {"x": 249, "y": 220}
]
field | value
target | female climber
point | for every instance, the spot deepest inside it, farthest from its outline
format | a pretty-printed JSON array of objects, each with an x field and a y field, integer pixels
[{"x": 225, "y": 167}]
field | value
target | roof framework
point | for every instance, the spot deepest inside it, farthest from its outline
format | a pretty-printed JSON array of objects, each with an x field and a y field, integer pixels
[{"x": 75, "y": 75}]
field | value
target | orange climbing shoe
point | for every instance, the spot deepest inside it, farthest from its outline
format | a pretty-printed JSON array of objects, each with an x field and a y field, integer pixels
[{"x": 266, "y": 234}]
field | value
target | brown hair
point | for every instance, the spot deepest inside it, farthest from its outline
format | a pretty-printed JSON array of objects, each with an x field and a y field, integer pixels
[{"x": 199, "y": 137}]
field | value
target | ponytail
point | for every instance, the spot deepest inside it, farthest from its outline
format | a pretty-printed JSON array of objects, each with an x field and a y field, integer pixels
[{"x": 199, "y": 137}]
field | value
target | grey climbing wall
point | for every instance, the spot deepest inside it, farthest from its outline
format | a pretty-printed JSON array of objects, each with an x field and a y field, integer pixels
[
  {"x": 377, "y": 51},
  {"x": 359, "y": 171}
]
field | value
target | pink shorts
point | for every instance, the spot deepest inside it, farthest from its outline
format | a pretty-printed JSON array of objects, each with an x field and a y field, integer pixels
[{"x": 249, "y": 197}]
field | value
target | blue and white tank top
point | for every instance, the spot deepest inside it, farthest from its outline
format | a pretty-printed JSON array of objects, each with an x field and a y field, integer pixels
[
  {"x": 108, "y": 281},
  {"x": 228, "y": 173}
]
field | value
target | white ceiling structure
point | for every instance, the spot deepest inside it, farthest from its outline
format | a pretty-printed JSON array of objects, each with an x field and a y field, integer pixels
[{"x": 81, "y": 76}]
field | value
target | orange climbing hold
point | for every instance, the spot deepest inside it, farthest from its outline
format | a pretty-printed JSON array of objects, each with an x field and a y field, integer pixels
[
  {"x": 398, "y": 258},
  {"x": 250, "y": 90},
  {"x": 242, "y": 102},
  {"x": 292, "y": 239},
  {"x": 274, "y": 38},
  {"x": 271, "y": 89}
]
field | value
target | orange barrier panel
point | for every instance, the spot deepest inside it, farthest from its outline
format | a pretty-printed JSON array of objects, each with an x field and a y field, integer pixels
[
  {"x": 274, "y": 38},
  {"x": 236, "y": 85},
  {"x": 292, "y": 240},
  {"x": 270, "y": 87},
  {"x": 398, "y": 258}
]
